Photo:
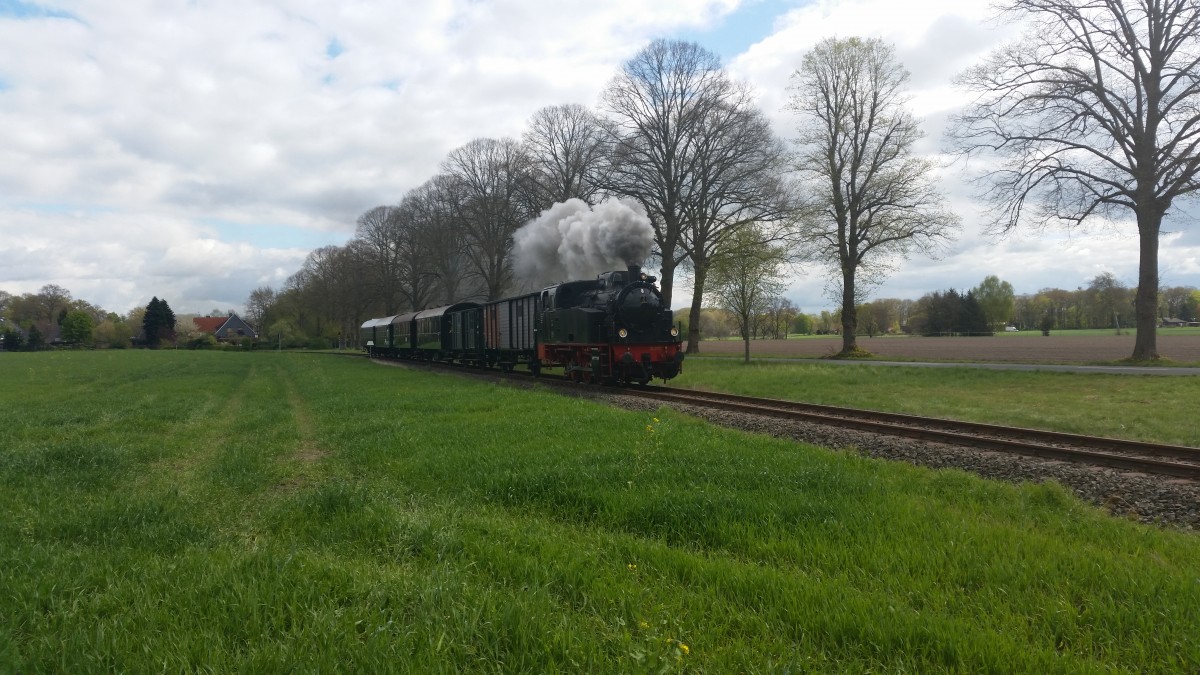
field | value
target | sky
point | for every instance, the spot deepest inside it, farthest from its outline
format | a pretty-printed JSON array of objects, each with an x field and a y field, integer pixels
[{"x": 195, "y": 150}]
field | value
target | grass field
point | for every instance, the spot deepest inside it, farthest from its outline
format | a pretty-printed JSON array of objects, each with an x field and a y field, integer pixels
[
  {"x": 1158, "y": 409},
  {"x": 1065, "y": 347},
  {"x": 1082, "y": 332},
  {"x": 264, "y": 512}
]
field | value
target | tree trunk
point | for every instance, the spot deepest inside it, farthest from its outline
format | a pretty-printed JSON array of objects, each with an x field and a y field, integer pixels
[
  {"x": 1145, "y": 347},
  {"x": 746, "y": 341},
  {"x": 849, "y": 313},
  {"x": 666, "y": 282},
  {"x": 701, "y": 271}
]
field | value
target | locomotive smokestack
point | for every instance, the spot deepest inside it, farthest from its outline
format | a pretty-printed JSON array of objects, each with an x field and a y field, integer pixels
[{"x": 635, "y": 272}]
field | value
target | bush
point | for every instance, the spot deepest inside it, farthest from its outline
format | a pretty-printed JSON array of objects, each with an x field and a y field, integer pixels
[{"x": 204, "y": 341}]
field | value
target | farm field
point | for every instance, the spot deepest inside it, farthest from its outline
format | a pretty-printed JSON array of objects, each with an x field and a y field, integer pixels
[
  {"x": 1181, "y": 346},
  {"x": 249, "y": 512}
]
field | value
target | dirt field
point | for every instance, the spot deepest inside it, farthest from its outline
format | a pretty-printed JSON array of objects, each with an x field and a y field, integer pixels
[{"x": 1063, "y": 348}]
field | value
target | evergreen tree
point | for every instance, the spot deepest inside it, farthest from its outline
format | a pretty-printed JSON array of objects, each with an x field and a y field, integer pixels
[
  {"x": 158, "y": 322},
  {"x": 34, "y": 340},
  {"x": 972, "y": 320},
  {"x": 13, "y": 340}
]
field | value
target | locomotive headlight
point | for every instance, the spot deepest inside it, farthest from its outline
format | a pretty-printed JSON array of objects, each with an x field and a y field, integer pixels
[
  {"x": 623, "y": 333},
  {"x": 674, "y": 331}
]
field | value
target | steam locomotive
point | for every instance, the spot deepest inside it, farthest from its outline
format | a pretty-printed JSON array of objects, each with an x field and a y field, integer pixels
[{"x": 611, "y": 329}]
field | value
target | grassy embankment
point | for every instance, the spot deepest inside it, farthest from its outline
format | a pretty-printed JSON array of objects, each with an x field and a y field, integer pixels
[
  {"x": 1145, "y": 408},
  {"x": 272, "y": 512}
]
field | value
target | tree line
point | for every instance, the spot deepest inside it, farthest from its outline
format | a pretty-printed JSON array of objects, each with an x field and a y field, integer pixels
[
  {"x": 1104, "y": 303},
  {"x": 675, "y": 133},
  {"x": 1090, "y": 117},
  {"x": 51, "y": 317}
]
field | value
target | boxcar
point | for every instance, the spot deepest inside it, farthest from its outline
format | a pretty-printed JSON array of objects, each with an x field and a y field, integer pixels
[{"x": 510, "y": 331}]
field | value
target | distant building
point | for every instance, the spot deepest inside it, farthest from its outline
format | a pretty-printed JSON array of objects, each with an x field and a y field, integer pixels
[
  {"x": 224, "y": 327},
  {"x": 1178, "y": 323}
]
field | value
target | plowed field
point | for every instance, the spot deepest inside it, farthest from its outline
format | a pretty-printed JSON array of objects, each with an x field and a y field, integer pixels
[{"x": 1063, "y": 348}]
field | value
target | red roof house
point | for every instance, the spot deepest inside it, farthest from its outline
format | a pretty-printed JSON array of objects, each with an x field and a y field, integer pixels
[{"x": 224, "y": 327}]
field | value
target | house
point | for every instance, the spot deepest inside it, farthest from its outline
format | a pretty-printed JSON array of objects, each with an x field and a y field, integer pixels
[
  {"x": 224, "y": 327},
  {"x": 1174, "y": 323}
]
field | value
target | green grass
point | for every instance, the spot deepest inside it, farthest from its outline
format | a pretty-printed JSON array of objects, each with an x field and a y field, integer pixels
[
  {"x": 1146, "y": 408},
  {"x": 166, "y": 511}
]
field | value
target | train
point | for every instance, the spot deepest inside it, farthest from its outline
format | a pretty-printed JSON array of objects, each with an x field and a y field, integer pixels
[{"x": 613, "y": 329}]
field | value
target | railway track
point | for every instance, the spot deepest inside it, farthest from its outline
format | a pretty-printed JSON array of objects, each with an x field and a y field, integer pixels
[
  {"x": 1153, "y": 458},
  {"x": 1168, "y": 460}
]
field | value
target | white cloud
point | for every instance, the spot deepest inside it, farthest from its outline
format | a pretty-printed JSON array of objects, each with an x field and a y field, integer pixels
[
  {"x": 935, "y": 40},
  {"x": 128, "y": 128}
]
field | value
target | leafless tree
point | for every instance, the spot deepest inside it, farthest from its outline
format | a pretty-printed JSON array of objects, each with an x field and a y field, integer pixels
[
  {"x": 656, "y": 103},
  {"x": 489, "y": 176},
  {"x": 736, "y": 168},
  {"x": 567, "y": 154},
  {"x": 781, "y": 314},
  {"x": 52, "y": 301},
  {"x": 1095, "y": 111},
  {"x": 877, "y": 202},
  {"x": 414, "y": 255},
  {"x": 328, "y": 290},
  {"x": 432, "y": 207},
  {"x": 258, "y": 304},
  {"x": 377, "y": 231}
]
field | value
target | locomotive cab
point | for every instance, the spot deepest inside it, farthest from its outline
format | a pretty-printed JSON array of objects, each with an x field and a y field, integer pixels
[{"x": 569, "y": 314}]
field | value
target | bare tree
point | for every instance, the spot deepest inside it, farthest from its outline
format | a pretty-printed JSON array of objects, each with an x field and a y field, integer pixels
[
  {"x": 878, "y": 203},
  {"x": 414, "y": 258},
  {"x": 656, "y": 103},
  {"x": 51, "y": 302},
  {"x": 327, "y": 290},
  {"x": 567, "y": 153},
  {"x": 258, "y": 304},
  {"x": 1096, "y": 111},
  {"x": 432, "y": 206},
  {"x": 376, "y": 230},
  {"x": 736, "y": 165},
  {"x": 489, "y": 175},
  {"x": 782, "y": 313}
]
